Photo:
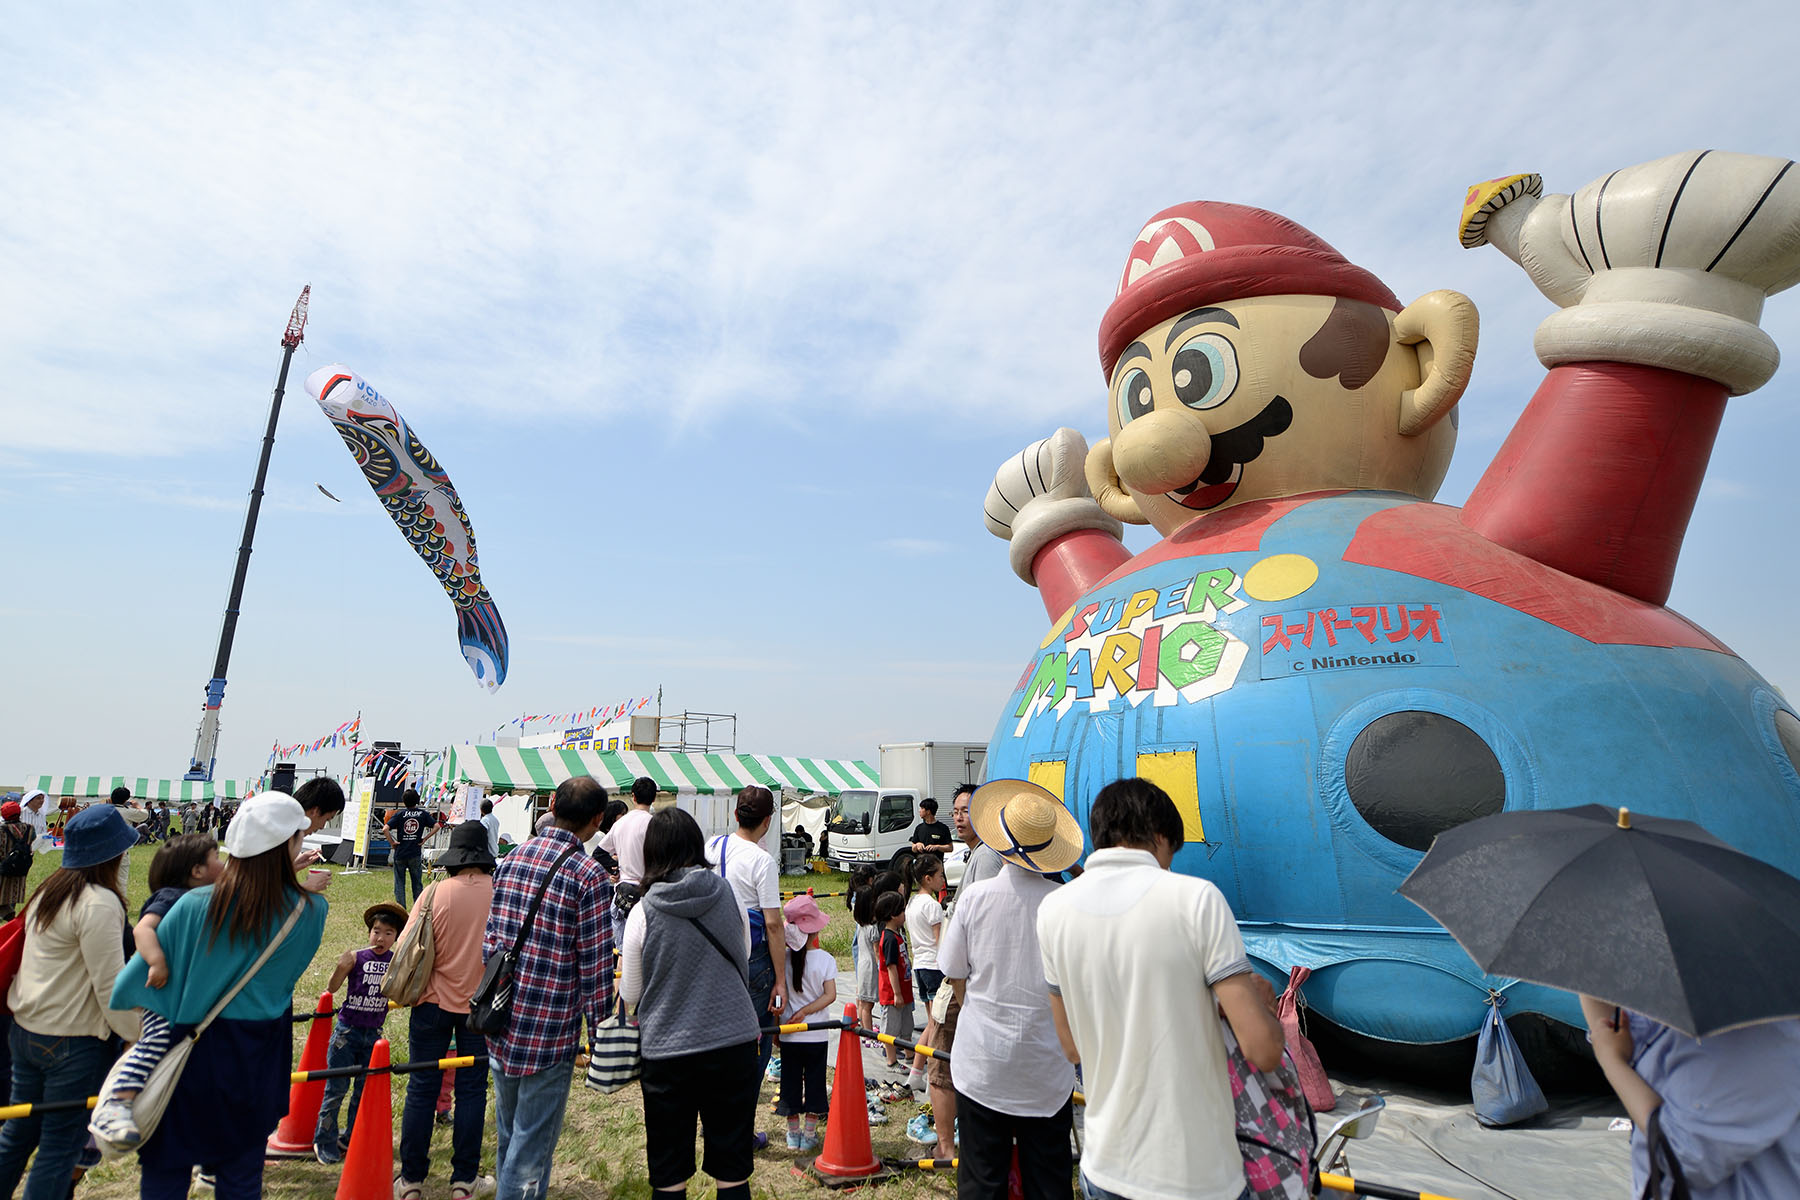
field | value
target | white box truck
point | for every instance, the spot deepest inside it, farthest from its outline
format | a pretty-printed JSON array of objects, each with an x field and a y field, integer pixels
[{"x": 871, "y": 826}]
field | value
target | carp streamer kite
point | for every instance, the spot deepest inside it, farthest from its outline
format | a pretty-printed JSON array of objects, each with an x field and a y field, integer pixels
[{"x": 419, "y": 497}]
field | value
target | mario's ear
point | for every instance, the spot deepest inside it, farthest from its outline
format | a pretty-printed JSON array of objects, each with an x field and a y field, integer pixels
[
  {"x": 1444, "y": 327},
  {"x": 1108, "y": 492}
]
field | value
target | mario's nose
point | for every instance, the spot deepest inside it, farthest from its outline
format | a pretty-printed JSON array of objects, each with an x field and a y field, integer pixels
[{"x": 1161, "y": 451}]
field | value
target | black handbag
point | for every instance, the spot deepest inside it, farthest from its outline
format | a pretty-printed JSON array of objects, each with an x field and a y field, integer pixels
[{"x": 490, "y": 1008}]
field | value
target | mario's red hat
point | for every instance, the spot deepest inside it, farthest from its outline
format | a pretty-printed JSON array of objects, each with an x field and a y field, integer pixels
[{"x": 1206, "y": 252}]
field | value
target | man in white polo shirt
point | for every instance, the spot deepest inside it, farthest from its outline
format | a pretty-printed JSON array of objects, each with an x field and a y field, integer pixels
[
  {"x": 625, "y": 842},
  {"x": 1013, "y": 1083},
  {"x": 1136, "y": 958}
]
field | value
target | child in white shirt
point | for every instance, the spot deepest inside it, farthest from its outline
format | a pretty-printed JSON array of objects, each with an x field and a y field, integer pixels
[
  {"x": 812, "y": 992},
  {"x": 924, "y": 926}
]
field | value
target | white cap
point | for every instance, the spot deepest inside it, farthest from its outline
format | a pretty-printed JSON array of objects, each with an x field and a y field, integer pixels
[{"x": 264, "y": 822}]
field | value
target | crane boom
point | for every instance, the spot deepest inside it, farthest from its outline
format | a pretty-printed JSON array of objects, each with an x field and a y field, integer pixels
[{"x": 206, "y": 741}]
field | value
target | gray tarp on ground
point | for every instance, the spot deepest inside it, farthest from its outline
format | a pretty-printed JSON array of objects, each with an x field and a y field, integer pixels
[{"x": 1428, "y": 1141}]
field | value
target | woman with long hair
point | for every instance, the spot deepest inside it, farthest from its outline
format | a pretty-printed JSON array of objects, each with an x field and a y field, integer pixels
[
  {"x": 685, "y": 966},
  {"x": 63, "y": 1022},
  {"x": 234, "y": 1091}
]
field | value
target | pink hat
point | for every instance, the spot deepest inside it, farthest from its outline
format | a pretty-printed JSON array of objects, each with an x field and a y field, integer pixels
[
  {"x": 803, "y": 912},
  {"x": 1207, "y": 252}
]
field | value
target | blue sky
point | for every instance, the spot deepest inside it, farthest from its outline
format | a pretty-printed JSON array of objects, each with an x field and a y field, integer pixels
[{"x": 720, "y": 318}]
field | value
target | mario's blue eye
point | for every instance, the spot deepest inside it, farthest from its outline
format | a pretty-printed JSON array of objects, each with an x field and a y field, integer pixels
[
  {"x": 1205, "y": 371},
  {"x": 1135, "y": 397}
]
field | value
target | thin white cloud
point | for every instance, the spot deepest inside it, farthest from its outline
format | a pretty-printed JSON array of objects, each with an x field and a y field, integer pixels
[{"x": 694, "y": 211}]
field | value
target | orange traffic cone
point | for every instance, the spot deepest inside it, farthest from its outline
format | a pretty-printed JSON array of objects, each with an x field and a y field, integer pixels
[
  {"x": 369, "y": 1164},
  {"x": 293, "y": 1138},
  {"x": 847, "y": 1158}
]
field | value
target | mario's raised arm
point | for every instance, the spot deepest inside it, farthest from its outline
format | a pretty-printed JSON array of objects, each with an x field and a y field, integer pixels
[
  {"x": 1660, "y": 272},
  {"x": 1058, "y": 538}
]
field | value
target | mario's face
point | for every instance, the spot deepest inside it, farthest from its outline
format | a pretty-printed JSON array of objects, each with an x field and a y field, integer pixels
[{"x": 1252, "y": 399}]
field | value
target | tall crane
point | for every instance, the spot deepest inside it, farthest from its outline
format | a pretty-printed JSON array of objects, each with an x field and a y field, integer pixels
[{"x": 206, "y": 742}]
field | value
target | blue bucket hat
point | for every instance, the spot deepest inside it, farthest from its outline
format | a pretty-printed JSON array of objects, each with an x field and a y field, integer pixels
[{"x": 95, "y": 835}]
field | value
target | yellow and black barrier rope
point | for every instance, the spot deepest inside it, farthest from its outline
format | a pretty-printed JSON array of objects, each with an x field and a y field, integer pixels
[
  {"x": 12, "y": 1111},
  {"x": 1378, "y": 1191},
  {"x": 926, "y": 1164},
  {"x": 428, "y": 1064},
  {"x": 813, "y": 894}
]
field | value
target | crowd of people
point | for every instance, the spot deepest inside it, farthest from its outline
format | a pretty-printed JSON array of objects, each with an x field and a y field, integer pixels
[{"x": 1119, "y": 966}]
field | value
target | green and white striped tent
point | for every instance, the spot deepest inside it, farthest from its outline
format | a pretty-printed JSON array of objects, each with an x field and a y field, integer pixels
[
  {"x": 508, "y": 768},
  {"x": 175, "y": 791}
]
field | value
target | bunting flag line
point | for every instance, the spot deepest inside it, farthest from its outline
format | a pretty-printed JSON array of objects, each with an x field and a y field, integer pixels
[
  {"x": 598, "y": 714},
  {"x": 344, "y": 735}
]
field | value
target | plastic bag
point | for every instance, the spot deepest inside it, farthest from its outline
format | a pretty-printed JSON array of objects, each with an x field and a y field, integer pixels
[{"x": 1502, "y": 1087}]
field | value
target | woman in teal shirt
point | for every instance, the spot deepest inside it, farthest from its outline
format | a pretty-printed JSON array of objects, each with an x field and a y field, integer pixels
[{"x": 234, "y": 1091}]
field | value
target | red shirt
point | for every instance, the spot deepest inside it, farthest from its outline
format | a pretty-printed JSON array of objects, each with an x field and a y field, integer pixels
[{"x": 890, "y": 950}]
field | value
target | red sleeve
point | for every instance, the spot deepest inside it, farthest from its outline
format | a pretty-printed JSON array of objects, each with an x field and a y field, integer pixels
[
  {"x": 1599, "y": 476},
  {"x": 1073, "y": 564}
]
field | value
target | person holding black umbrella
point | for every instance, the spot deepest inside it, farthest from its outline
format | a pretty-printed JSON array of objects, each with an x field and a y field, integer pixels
[
  {"x": 1696, "y": 947},
  {"x": 1720, "y": 1113}
]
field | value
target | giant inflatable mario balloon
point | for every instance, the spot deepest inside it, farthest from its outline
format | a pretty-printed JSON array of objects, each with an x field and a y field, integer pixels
[{"x": 1323, "y": 668}]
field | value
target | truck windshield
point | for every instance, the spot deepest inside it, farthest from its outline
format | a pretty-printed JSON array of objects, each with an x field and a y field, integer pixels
[{"x": 853, "y": 812}]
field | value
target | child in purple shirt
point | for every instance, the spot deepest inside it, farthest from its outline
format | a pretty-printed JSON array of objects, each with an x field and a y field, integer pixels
[{"x": 359, "y": 1022}]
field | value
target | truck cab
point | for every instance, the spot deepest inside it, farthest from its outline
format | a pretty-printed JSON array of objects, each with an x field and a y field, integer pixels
[{"x": 870, "y": 825}]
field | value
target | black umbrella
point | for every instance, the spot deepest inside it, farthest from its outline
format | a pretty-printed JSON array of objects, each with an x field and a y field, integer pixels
[{"x": 1656, "y": 915}]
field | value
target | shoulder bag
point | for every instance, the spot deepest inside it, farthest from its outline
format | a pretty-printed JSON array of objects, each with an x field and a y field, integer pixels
[
  {"x": 410, "y": 969},
  {"x": 617, "y": 1056},
  {"x": 153, "y": 1099},
  {"x": 490, "y": 1008},
  {"x": 1275, "y": 1132}
]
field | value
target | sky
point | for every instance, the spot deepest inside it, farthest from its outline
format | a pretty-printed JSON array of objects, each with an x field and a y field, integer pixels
[{"x": 720, "y": 318}]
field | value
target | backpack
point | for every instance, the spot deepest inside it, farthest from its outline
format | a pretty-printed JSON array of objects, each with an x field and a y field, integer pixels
[{"x": 17, "y": 860}]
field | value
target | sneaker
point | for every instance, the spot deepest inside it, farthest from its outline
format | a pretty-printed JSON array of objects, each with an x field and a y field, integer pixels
[
  {"x": 406, "y": 1189},
  {"x": 330, "y": 1155},
  {"x": 481, "y": 1185},
  {"x": 895, "y": 1093},
  {"x": 794, "y": 1139},
  {"x": 760, "y": 1142},
  {"x": 809, "y": 1145},
  {"x": 112, "y": 1123},
  {"x": 919, "y": 1130},
  {"x": 877, "y": 1115},
  {"x": 773, "y": 1072}
]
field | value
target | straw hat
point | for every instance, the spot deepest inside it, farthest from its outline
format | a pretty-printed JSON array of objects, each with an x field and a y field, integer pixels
[{"x": 1026, "y": 825}]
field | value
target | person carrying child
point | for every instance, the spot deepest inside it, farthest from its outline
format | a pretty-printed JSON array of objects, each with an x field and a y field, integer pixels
[
  {"x": 814, "y": 990},
  {"x": 359, "y": 1021},
  {"x": 894, "y": 981},
  {"x": 183, "y": 863}
]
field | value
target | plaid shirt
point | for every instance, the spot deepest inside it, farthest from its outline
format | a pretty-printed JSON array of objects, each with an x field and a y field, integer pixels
[{"x": 566, "y": 964}]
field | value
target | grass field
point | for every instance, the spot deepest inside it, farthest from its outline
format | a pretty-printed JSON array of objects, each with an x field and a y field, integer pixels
[{"x": 601, "y": 1153}]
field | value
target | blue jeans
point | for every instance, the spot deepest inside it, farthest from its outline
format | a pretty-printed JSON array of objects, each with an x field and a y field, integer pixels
[
  {"x": 49, "y": 1068},
  {"x": 528, "y": 1118},
  {"x": 350, "y": 1047},
  {"x": 762, "y": 990},
  {"x": 414, "y": 866},
  {"x": 433, "y": 1031}
]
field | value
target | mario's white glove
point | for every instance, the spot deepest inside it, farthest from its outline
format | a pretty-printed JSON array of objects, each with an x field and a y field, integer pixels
[
  {"x": 1665, "y": 264},
  {"x": 1041, "y": 493}
]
